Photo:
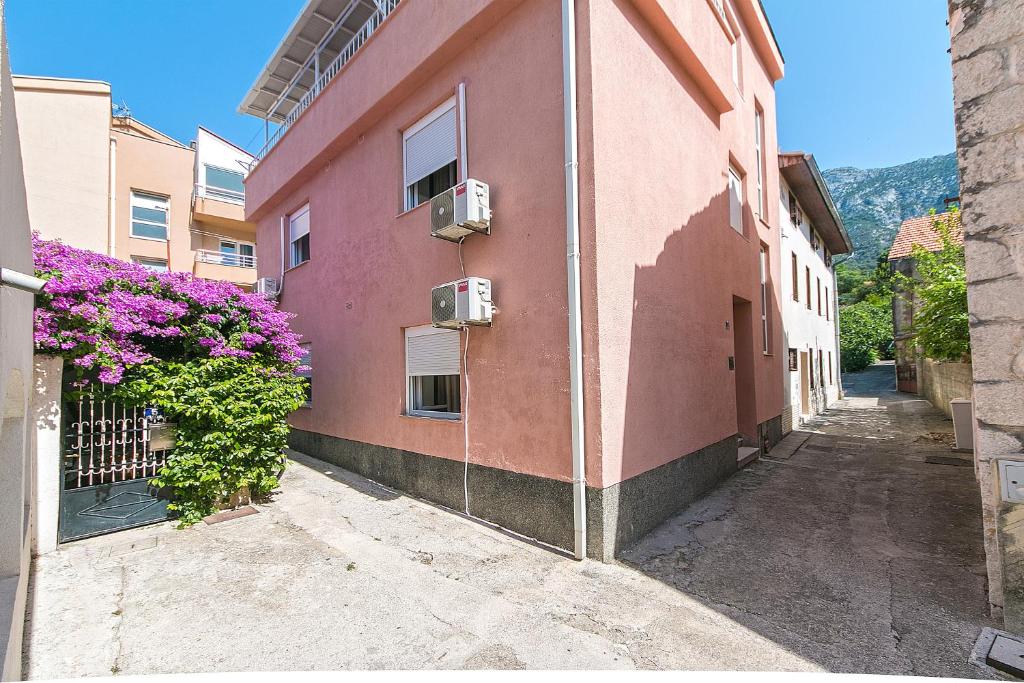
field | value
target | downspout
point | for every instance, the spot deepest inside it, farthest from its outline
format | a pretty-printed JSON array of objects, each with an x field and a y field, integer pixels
[
  {"x": 112, "y": 236},
  {"x": 572, "y": 227}
]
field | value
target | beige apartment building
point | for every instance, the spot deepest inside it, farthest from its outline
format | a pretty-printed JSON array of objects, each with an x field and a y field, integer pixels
[{"x": 112, "y": 184}]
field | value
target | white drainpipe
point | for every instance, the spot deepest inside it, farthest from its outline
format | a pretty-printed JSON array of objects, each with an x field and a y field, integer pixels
[
  {"x": 112, "y": 237},
  {"x": 572, "y": 226}
]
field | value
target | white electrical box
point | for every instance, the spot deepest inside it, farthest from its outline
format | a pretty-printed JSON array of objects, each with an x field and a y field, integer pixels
[
  {"x": 460, "y": 303},
  {"x": 268, "y": 287},
  {"x": 461, "y": 210},
  {"x": 1011, "y": 480}
]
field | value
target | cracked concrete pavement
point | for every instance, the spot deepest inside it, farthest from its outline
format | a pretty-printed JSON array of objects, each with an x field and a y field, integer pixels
[
  {"x": 852, "y": 551},
  {"x": 838, "y": 557}
]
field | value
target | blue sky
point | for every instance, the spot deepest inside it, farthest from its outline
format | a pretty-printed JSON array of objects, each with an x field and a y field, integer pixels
[{"x": 867, "y": 81}]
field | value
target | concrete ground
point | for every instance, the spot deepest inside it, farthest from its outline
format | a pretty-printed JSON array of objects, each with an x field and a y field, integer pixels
[
  {"x": 850, "y": 555},
  {"x": 853, "y": 551}
]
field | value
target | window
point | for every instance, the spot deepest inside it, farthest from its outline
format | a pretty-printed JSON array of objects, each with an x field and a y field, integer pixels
[
  {"x": 298, "y": 237},
  {"x": 793, "y": 209},
  {"x": 429, "y": 152},
  {"x": 807, "y": 271},
  {"x": 736, "y": 68},
  {"x": 157, "y": 265},
  {"x": 831, "y": 377},
  {"x": 821, "y": 367},
  {"x": 819, "y": 296},
  {"x": 796, "y": 279},
  {"x": 735, "y": 200},
  {"x": 759, "y": 148},
  {"x": 827, "y": 316},
  {"x": 766, "y": 338},
  {"x": 306, "y": 363},
  {"x": 224, "y": 184},
  {"x": 793, "y": 366},
  {"x": 432, "y": 370},
  {"x": 149, "y": 216},
  {"x": 810, "y": 363},
  {"x": 234, "y": 253}
]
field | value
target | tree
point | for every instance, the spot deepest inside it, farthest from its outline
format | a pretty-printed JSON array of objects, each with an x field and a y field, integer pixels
[{"x": 865, "y": 333}]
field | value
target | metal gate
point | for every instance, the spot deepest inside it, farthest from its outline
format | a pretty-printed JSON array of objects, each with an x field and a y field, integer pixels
[{"x": 111, "y": 451}]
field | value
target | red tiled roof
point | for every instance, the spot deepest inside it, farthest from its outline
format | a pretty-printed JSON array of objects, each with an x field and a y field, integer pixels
[{"x": 920, "y": 231}]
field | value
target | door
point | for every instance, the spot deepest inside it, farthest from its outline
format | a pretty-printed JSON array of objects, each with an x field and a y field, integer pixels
[
  {"x": 743, "y": 371},
  {"x": 805, "y": 384}
]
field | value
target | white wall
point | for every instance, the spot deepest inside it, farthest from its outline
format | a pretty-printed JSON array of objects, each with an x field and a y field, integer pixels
[
  {"x": 16, "y": 495},
  {"x": 806, "y": 330},
  {"x": 214, "y": 151}
]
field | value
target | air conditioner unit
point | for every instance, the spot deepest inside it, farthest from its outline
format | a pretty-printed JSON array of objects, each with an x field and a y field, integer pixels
[
  {"x": 268, "y": 287},
  {"x": 460, "y": 303},
  {"x": 460, "y": 211}
]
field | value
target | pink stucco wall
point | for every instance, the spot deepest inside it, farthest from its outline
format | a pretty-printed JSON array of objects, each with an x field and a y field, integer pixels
[{"x": 660, "y": 264}]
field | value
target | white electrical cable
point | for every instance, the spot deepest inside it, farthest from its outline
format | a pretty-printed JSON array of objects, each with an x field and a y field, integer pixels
[
  {"x": 461, "y": 262},
  {"x": 465, "y": 419}
]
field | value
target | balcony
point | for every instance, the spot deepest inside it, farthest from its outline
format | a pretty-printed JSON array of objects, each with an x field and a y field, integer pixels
[
  {"x": 217, "y": 206},
  {"x": 318, "y": 36},
  {"x": 216, "y": 265}
]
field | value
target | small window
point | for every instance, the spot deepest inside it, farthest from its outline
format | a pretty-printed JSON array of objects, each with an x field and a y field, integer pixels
[
  {"x": 222, "y": 183},
  {"x": 233, "y": 253},
  {"x": 735, "y": 200},
  {"x": 796, "y": 278},
  {"x": 759, "y": 149},
  {"x": 157, "y": 265},
  {"x": 149, "y": 216},
  {"x": 429, "y": 151},
  {"x": 807, "y": 272},
  {"x": 821, "y": 367},
  {"x": 831, "y": 377},
  {"x": 793, "y": 366},
  {"x": 827, "y": 316},
  {"x": 432, "y": 369},
  {"x": 810, "y": 368},
  {"x": 306, "y": 365},
  {"x": 737, "y": 69},
  {"x": 298, "y": 237},
  {"x": 820, "y": 312}
]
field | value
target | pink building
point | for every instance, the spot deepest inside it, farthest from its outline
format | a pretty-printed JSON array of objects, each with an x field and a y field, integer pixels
[{"x": 667, "y": 171}]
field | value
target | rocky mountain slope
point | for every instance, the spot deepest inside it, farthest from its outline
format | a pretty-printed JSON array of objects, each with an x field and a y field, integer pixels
[{"x": 873, "y": 202}]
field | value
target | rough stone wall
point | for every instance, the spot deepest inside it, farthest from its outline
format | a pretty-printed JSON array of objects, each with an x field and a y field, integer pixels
[
  {"x": 942, "y": 382},
  {"x": 987, "y": 50}
]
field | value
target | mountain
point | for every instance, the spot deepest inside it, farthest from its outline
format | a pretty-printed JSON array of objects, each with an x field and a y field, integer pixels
[{"x": 873, "y": 202}]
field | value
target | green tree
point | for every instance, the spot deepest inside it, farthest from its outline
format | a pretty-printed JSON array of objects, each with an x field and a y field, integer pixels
[{"x": 865, "y": 332}]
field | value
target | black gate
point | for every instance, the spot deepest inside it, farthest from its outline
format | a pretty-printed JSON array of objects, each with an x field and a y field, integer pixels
[{"x": 111, "y": 451}]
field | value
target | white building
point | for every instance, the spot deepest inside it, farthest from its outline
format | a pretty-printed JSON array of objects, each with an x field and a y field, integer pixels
[{"x": 812, "y": 233}]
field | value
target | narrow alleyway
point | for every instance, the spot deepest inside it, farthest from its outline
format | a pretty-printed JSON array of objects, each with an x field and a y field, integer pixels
[
  {"x": 855, "y": 551},
  {"x": 853, "y": 554}
]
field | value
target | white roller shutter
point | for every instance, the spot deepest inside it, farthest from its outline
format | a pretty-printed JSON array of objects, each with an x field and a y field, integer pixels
[
  {"x": 298, "y": 224},
  {"x": 431, "y": 351},
  {"x": 735, "y": 201},
  {"x": 430, "y": 144}
]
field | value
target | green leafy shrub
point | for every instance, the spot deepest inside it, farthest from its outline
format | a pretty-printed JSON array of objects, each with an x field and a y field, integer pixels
[{"x": 865, "y": 332}]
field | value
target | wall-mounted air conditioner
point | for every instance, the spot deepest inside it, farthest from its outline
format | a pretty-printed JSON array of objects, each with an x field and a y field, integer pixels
[
  {"x": 460, "y": 303},
  {"x": 268, "y": 287},
  {"x": 460, "y": 211}
]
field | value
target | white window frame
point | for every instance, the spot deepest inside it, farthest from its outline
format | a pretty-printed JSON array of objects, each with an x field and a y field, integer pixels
[
  {"x": 735, "y": 192},
  {"x": 139, "y": 261},
  {"x": 302, "y": 211},
  {"x": 765, "y": 337},
  {"x": 759, "y": 148},
  {"x": 222, "y": 193},
  {"x": 240, "y": 260},
  {"x": 149, "y": 200},
  {"x": 411, "y": 384},
  {"x": 411, "y": 200}
]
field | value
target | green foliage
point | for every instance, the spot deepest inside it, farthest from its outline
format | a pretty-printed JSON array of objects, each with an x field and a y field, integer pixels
[
  {"x": 865, "y": 332},
  {"x": 856, "y": 283},
  {"x": 230, "y": 414},
  {"x": 940, "y": 317}
]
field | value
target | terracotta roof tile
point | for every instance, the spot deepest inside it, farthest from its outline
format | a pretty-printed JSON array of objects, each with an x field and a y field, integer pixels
[{"x": 920, "y": 231}]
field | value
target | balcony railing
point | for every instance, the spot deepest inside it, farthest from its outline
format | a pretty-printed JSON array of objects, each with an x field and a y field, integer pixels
[
  {"x": 384, "y": 8},
  {"x": 222, "y": 259},
  {"x": 220, "y": 194}
]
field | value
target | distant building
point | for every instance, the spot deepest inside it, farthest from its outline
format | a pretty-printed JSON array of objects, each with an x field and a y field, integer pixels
[
  {"x": 812, "y": 233},
  {"x": 117, "y": 186},
  {"x": 913, "y": 231}
]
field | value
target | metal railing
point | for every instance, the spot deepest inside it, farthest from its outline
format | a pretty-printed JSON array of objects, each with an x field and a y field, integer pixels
[
  {"x": 384, "y": 8},
  {"x": 220, "y": 194},
  {"x": 222, "y": 259}
]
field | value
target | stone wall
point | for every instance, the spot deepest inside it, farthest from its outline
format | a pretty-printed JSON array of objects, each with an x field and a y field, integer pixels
[
  {"x": 942, "y": 382},
  {"x": 987, "y": 50}
]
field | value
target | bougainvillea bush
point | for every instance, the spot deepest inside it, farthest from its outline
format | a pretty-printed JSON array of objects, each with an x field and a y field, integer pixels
[{"x": 218, "y": 361}]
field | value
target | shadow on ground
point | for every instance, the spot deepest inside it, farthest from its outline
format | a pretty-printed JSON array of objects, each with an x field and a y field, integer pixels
[{"x": 854, "y": 553}]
